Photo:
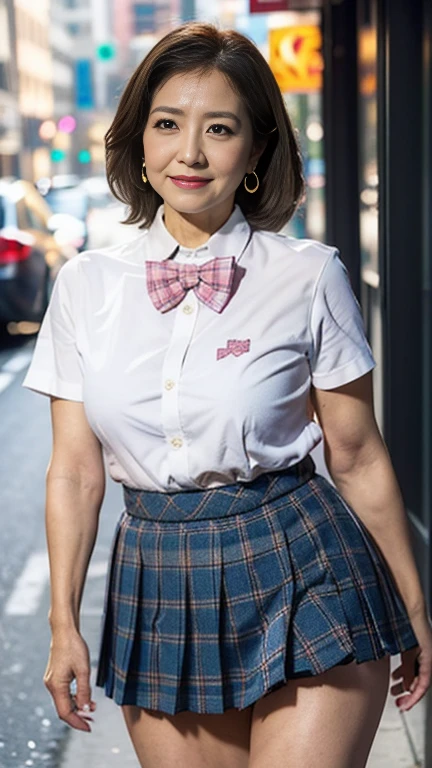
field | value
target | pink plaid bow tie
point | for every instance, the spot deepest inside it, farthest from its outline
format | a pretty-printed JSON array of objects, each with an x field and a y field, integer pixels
[{"x": 168, "y": 282}]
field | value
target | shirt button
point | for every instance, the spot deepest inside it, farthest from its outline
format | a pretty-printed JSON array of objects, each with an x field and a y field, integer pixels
[
  {"x": 169, "y": 384},
  {"x": 176, "y": 442},
  {"x": 187, "y": 309}
]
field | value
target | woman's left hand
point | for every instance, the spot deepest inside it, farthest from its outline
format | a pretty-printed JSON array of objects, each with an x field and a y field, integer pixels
[{"x": 413, "y": 677}]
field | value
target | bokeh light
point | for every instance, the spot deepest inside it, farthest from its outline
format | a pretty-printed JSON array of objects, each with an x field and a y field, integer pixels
[
  {"x": 47, "y": 130},
  {"x": 67, "y": 124},
  {"x": 315, "y": 131},
  {"x": 57, "y": 155},
  {"x": 84, "y": 156}
]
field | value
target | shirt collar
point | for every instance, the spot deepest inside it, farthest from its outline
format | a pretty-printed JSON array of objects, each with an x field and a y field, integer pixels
[{"x": 229, "y": 240}]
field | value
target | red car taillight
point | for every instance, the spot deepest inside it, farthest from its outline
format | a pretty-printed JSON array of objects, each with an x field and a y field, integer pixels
[{"x": 12, "y": 251}]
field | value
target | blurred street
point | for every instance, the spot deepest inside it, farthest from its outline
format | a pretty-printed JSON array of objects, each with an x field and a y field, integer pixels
[{"x": 30, "y": 732}]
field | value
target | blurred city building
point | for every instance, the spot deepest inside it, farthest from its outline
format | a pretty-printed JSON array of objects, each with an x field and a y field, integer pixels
[
  {"x": 10, "y": 121},
  {"x": 35, "y": 82},
  {"x": 138, "y": 26},
  {"x": 88, "y": 24},
  {"x": 63, "y": 84}
]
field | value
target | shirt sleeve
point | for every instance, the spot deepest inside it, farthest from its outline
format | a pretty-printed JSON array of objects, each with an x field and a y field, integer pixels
[
  {"x": 56, "y": 367},
  {"x": 340, "y": 349}
]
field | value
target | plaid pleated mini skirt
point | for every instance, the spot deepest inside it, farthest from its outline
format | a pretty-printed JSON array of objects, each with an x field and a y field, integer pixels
[{"x": 214, "y": 598}]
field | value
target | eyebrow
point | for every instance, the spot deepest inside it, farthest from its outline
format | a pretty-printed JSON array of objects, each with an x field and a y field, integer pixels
[{"x": 176, "y": 111}]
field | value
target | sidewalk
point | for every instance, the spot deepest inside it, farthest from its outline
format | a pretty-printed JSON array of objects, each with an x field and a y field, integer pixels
[{"x": 107, "y": 746}]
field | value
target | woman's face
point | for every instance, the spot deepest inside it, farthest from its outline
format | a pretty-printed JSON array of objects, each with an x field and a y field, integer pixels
[{"x": 198, "y": 127}]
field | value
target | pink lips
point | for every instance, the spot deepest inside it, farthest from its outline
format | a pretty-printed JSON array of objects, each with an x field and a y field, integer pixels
[{"x": 189, "y": 182}]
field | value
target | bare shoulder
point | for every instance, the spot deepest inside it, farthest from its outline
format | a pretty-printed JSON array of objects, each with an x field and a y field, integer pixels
[{"x": 76, "y": 449}]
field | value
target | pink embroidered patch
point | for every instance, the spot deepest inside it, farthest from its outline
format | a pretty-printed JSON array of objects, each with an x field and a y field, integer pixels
[{"x": 234, "y": 347}]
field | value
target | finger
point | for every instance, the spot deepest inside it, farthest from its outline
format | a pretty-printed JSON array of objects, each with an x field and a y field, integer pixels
[
  {"x": 397, "y": 689},
  {"x": 84, "y": 713},
  {"x": 66, "y": 707},
  {"x": 75, "y": 721},
  {"x": 397, "y": 672},
  {"x": 68, "y": 712},
  {"x": 84, "y": 716},
  {"x": 73, "y": 693},
  {"x": 87, "y": 711},
  {"x": 83, "y": 695},
  {"x": 410, "y": 699},
  {"x": 408, "y": 680}
]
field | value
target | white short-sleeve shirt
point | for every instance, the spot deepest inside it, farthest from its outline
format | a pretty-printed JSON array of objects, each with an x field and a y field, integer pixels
[{"x": 170, "y": 411}]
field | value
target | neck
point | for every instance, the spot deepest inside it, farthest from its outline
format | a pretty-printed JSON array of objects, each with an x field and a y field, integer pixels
[{"x": 193, "y": 230}]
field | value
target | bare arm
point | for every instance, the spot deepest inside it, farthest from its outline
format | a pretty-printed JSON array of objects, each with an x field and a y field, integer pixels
[
  {"x": 360, "y": 466},
  {"x": 75, "y": 487}
]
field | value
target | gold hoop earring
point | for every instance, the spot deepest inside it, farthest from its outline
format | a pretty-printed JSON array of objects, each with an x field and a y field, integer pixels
[
  {"x": 245, "y": 184},
  {"x": 143, "y": 176}
]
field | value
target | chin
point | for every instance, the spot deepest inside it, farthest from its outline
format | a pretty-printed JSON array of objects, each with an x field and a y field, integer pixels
[
  {"x": 192, "y": 206},
  {"x": 182, "y": 204}
]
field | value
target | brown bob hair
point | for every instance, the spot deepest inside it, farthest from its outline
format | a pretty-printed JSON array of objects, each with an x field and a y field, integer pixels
[{"x": 202, "y": 47}]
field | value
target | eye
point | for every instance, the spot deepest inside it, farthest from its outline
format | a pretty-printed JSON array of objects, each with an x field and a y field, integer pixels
[
  {"x": 224, "y": 128},
  {"x": 166, "y": 125},
  {"x": 163, "y": 120}
]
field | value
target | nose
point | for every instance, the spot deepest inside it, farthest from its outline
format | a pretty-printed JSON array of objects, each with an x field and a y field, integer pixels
[{"x": 190, "y": 150}]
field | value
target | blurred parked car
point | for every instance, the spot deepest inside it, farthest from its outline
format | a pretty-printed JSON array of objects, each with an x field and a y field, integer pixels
[
  {"x": 99, "y": 193},
  {"x": 65, "y": 193},
  {"x": 34, "y": 244}
]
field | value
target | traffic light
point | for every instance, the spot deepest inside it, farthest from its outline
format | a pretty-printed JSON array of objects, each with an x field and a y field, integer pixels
[
  {"x": 84, "y": 156},
  {"x": 57, "y": 155},
  {"x": 106, "y": 51}
]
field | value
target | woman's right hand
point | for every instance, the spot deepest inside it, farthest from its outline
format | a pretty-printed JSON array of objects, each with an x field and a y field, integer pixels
[
  {"x": 412, "y": 681},
  {"x": 69, "y": 660}
]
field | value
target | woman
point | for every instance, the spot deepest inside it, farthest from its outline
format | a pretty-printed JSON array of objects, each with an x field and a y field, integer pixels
[{"x": 250, "y": 603}]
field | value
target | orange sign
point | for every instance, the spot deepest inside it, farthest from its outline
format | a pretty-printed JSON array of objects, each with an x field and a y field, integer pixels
[
  {"x": 296, "y": 59},
  {"x": 367, "y": 44}
]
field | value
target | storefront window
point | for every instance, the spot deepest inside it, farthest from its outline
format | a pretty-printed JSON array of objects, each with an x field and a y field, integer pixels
[
  {"x": 306, "y": 114},
  {"x": 367, "y": 45},
  {"x": 291, "y": 43},
  {"x": 369, "y": 191}
]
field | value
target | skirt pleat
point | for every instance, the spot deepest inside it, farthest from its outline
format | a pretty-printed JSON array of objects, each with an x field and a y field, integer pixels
[{"x": 209, "y": 614}]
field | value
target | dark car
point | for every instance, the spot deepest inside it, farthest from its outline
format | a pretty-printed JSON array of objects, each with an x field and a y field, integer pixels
[{"x": 34, "y": 244}]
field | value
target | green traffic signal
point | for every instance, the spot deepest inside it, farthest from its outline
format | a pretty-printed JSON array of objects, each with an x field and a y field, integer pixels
[
  {"x": 84, "y": 156},
  {"x": 106, "y": 51},
  {"x": 57, "y": 155}
]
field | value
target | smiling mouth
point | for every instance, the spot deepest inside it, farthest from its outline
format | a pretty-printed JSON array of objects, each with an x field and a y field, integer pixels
[
  {"x": 190, "y": 183},
  {"x": 189, "y": 178}
]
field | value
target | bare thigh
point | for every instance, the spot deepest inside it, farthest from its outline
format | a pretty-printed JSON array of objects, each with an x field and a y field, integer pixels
[
  {"x": 189, "y": 739},
  {"x": 327, "y": 721}
]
